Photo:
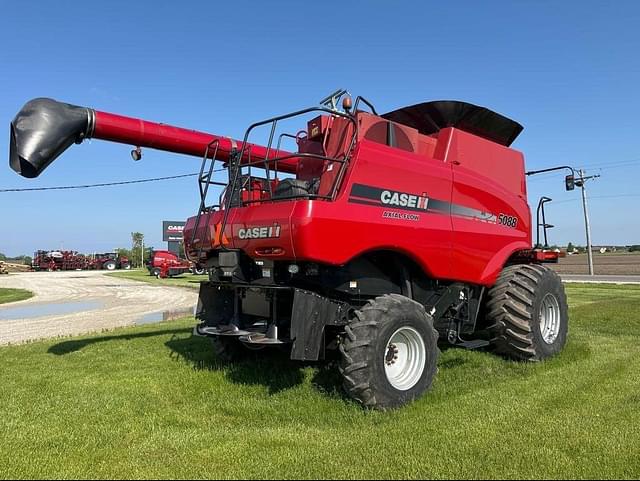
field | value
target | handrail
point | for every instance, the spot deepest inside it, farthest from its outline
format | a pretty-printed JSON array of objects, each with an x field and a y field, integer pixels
[{"x": 235, "y": 163}]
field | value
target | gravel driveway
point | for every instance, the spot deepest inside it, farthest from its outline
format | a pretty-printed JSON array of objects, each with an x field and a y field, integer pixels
[{"x": 80, "y": 302}]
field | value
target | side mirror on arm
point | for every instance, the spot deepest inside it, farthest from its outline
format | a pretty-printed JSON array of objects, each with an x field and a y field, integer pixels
[{"x": 569, "y": 182}]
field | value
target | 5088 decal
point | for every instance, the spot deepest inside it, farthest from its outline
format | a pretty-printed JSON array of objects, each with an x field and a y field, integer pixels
[{"x": 508, "y": 220}]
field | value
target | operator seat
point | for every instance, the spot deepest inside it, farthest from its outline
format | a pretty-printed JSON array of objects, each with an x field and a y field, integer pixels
[
  {"x": 314, "y": 175},
  {"x": 308, "y": 172}
]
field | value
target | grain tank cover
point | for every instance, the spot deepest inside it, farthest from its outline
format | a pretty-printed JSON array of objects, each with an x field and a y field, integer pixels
[{"x": 429, "y": 117}]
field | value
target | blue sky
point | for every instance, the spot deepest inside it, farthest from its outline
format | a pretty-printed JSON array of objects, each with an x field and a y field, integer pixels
[{"x": 568, "y": 71}]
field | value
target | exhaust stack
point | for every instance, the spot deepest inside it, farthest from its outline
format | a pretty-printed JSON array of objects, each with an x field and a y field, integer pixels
[{"x": 45, "y": 128}]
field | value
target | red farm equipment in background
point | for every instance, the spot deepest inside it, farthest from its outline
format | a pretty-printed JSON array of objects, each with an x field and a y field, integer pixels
[
  {"x": 167, "y": 263},
  {"x": 60, "y": 260},
  {"x": 373, "y": 239},
  {"x": 109, "y": 261},
  {"x": 57, "y": 260}
]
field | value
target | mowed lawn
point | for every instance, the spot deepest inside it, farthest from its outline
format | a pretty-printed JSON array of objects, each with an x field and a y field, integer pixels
[
  {"x": 152, "y": 402},
  {"x": 184, "y": 280},
  {"x": 13, "y": 295}
]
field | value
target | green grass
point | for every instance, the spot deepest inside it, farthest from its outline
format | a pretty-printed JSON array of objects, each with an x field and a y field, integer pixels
[
  {"x": 153, "y": 402},
  {"x": 13, "y": 295},
  {"x": 184, "y": 280}
]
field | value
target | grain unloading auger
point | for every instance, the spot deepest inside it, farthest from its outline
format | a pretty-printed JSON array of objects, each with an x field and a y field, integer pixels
[
  {"x": 376, "y": 238},
  {"x": 45, "y": 128}
]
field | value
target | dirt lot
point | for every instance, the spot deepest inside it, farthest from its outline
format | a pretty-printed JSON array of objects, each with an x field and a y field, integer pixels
[
  {"x": 603, "y": 264},
  {"x": 79, "y": 302}
]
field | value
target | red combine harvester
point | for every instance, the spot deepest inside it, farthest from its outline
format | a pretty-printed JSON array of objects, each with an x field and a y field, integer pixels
[
  {"x": 59, "y": 261},
  {"x": 372, "y": 240}
]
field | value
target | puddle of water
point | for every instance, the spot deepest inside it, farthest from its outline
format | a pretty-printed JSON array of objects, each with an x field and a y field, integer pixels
[
  {"x": 160, "y": 316},
  {"x": 50, "y": 309}
]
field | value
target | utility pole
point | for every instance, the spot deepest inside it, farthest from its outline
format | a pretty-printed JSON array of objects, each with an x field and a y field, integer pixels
[
  {"x": 570, "y": 182},
  {"x": 580, "y": 183},
  {"x": 142, "y": 253}
]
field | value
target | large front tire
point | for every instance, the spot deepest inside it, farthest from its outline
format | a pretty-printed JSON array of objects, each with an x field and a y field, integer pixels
[
  {"x": 389, "y": 353},
  {"x": 527, "y": 313}
]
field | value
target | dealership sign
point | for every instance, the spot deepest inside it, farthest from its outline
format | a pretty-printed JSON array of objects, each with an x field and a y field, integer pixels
[{"x": 172, "y": 231}]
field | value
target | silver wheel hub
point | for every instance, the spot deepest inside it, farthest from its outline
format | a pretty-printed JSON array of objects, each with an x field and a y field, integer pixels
[
  {"x": 404, "y": 358},
  {"x": 550, "y": 318}
]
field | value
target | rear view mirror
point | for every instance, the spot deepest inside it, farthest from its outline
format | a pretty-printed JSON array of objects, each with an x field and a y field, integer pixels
[{"x": 569, "y": 182}]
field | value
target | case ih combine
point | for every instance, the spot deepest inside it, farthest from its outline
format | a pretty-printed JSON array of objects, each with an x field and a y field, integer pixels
[{"x": 372, "y": 240}]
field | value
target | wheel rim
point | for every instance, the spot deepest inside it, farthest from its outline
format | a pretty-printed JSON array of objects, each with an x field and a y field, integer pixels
[
  {"x": 549, "y": 319},
  {"x": 404, "y": 358}
]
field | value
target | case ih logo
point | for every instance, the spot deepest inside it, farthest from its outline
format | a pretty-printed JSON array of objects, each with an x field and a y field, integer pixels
[
  {"x": 266, "y": 232},
  {"x": 369, "y": 195},
  {"x": 401, "y": 199},
  {"x": 172, "y": 230},
  {"x": 379, "y": 197}
]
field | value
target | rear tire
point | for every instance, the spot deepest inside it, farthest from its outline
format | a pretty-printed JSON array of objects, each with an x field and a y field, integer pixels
[
  {"x": 109, "y": 265},
  {"x": 527, "y": 313},
  {"x": 389, "y": 353}
]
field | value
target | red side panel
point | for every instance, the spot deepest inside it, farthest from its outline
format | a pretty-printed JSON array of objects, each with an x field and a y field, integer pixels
[
  {"x": 459, "y": 214},
  {"x": 256, "y": 229},
  {"x": 490, "y": 214},
  {"x": 358, "y": 221}
]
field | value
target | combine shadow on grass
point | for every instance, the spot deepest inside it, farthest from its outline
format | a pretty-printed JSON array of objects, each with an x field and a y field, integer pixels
[
  {"x": 75, "y": 345},
  {"x": 272, "y": 369},
  {"x": 277, "y": 373}
]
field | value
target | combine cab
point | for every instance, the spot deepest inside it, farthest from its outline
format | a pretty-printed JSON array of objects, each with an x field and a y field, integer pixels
[{"x": 351, "y": 236}]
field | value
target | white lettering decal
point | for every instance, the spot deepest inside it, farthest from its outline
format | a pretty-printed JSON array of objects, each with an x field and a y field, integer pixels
[{"x": 259, "y": 232}]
